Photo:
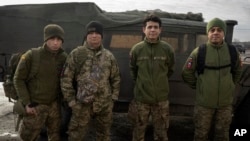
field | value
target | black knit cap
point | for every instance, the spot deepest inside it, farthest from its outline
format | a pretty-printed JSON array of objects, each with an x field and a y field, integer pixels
[
  {"x": 94, "y": 26},
  {"x": 53, "y": 30}
]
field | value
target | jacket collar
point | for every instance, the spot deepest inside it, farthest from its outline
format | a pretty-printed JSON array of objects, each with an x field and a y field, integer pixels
[
  {"x": 47, "y": 50},
  {"x": 216, "y": 46},
  {"x": 96, "y": 51},
  {"x": 147, "y": 41}
]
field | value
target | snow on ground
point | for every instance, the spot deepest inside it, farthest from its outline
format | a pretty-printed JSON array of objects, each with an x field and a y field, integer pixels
[{"x": 7, "y": 130}]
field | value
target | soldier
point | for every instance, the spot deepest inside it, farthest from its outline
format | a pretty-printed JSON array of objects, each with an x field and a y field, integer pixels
[
  {"x": 151, "y": 64},
  {"x": 214, "y": 85},
  {"x": 90, "y": 84},
  {"x": 40, "y": 93}
]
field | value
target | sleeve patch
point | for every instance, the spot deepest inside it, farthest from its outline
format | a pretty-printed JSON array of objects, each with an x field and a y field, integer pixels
[{"x": 189, "y": 63}]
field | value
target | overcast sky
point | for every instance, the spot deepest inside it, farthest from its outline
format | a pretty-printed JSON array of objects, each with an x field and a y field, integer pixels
[{"x": 225, "y": 9}]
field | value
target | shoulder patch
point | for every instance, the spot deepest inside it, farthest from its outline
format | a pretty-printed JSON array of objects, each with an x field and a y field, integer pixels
[
  {"x": 23, "y": 57},
  {"x": 63, "y": 69},
  {"x": 189, "y": 63}
]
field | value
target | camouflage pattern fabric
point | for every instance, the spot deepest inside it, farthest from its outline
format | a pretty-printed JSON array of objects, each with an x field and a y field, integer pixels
[
  {"x": 98, "y": 84},
  {"x": 205, "y": 117},
  {"x": 132, "y": 111},
  {"x": 98, "y": 68},
  {"x": 160, "y": 120},
  {"x": 48, "y": 115},
  {"x": 81, "y": 115},
  {"x": 88, "y": 87},
  {"x": 86, "y": 90}
]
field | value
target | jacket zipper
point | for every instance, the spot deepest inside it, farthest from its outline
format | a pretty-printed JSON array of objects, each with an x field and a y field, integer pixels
[
  {"x": 218, "y": 98},
  {"x": 152, "y": 70}
]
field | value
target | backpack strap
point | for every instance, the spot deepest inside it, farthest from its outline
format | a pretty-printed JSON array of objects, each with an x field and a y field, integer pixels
[
  {"x": 35, "y": 62},
  {"x": 233, "y": 56},
  {"x": 201, "y": 59},
  {"x": 81, "y": 57},
  {"x": 202, "y": 56}
]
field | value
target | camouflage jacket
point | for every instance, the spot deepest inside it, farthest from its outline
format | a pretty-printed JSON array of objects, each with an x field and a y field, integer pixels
[
  {"x": 44, "y": 87},
  {"x": 94, "y": 71}
]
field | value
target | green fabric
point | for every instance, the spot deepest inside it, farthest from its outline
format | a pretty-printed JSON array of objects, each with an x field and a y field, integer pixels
[
  {"x": 151, "y": 65},
  {"x": 44, "y": 86},
  {"x": 216, "y": 22},
  {"x": 53, "y": 30},
  {"x": 214, "y": 88},
  {"x": 35, "y": 62},
  {"x": 8, "y": 85}
]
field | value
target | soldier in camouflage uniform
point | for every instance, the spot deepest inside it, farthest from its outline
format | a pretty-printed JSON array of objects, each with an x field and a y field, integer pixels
[
  {"x": 151, "y": 64},
  {"x": 90, "y": 84},
  {"x": 40, "y": 93},
  {"x": 214, "y": 87}
]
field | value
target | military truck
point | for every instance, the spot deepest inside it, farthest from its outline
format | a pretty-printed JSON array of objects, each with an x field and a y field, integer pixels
[
  {"x": 21, "y": 28},
  {"x": 240, "y": 48}
]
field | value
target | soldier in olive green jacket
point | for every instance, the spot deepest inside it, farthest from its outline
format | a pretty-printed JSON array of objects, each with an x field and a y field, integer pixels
[
  {"x": 151, "y": 64},
  {"x": 214, "y": 87},
  {"x": 40, "y": 93}
]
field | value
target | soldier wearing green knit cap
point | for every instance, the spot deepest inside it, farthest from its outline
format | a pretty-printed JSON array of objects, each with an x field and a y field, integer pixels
[
  {"x": 214, "y": 85},
  {"x": 37, "y": 81},
  {"x": 216, "y": 22}
]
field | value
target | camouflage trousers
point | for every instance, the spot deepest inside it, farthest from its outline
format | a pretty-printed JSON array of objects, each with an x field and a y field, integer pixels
[
  {"x": 48, "y": 115},
  {"x": 205, "y": 118},
  {"x": 81, "y": 116},
  {"x": 160, "y": 120}
]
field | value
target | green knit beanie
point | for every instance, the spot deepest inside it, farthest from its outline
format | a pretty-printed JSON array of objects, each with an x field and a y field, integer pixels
[
  {"x": 53, "y": 30},
  {"x": 216, "y": 22}
]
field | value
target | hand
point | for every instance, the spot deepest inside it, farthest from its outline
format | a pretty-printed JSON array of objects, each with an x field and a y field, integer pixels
[
  {"x": 30, "y": 110},
  {"x": 72, "y": 103}
]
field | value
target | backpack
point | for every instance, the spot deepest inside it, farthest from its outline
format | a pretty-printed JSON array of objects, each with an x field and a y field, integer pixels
[
  {"x": 89, "y": 85},
  {"x": 8, "y": 85},
  {"x": 202, "y": 57}
]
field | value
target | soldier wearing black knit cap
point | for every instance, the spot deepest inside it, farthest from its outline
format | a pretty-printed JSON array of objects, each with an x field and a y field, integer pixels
[
  {"x": 96, "y": 72},
  {"x": 215, "y": 85}
]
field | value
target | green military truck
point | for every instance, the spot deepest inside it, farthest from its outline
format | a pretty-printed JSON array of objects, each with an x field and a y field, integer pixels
[{"x": 21, "y": 29}]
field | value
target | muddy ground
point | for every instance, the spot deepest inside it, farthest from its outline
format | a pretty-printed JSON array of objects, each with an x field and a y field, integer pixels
[
  {"x": 181, "y": 128},
  {"x": 121, "y": 129}
]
